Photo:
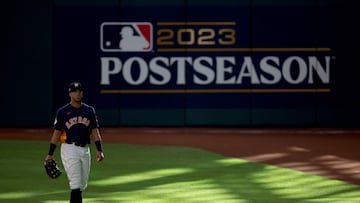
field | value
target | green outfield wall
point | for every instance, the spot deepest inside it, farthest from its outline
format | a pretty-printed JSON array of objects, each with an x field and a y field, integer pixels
[{"x": 252, "y": 63}]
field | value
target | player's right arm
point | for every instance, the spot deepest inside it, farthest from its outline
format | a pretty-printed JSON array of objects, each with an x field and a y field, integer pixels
[{"x": 53, "y": 141}]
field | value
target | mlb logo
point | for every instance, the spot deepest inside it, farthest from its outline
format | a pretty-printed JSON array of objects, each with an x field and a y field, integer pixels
[{"x": 126, "y": 37}]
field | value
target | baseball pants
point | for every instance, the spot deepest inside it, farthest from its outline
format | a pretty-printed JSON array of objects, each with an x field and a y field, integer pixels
[{"x": 76, "y": 161}]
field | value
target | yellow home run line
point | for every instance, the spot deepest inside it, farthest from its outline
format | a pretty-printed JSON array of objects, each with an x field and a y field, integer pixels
[
  {"x": 178, "y": 91},
  {"x": 196, "y": 23},
  {"x": 324, "y": 49}
]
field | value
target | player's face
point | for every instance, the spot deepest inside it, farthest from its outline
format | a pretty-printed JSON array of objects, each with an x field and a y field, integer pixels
[{"x": 76, "y": 96}]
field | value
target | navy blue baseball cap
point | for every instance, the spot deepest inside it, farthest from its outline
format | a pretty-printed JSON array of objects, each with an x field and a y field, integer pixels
[{"x": 75, "y": 86}]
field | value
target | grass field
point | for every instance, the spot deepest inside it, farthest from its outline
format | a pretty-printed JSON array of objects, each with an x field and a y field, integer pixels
[{"x": 134, "y": 173}]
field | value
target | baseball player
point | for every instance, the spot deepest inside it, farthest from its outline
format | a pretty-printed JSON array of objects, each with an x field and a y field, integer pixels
[{"x": 76, "y": 125}]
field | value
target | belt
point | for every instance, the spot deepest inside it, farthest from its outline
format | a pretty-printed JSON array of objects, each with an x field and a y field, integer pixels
[{"x": 77, "y": 144}]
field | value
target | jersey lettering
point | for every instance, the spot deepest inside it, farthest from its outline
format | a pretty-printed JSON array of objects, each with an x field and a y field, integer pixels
[{"x": 77, "y": 120}]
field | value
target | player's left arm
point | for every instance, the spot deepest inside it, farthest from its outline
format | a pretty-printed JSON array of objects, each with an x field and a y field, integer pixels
[{"x": 96, "y": 138}]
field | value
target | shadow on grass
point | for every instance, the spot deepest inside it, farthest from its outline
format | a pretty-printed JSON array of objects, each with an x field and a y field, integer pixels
[
  {"x": 173, "y": 174},
  {"x": 135, "y": 173}
]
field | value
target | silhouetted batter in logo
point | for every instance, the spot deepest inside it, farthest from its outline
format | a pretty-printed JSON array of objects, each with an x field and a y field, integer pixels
[{"x": 131, "y": 42}]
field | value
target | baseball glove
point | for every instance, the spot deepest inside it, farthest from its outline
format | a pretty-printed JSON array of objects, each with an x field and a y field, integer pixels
[{"x": 52, "y": 169}]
